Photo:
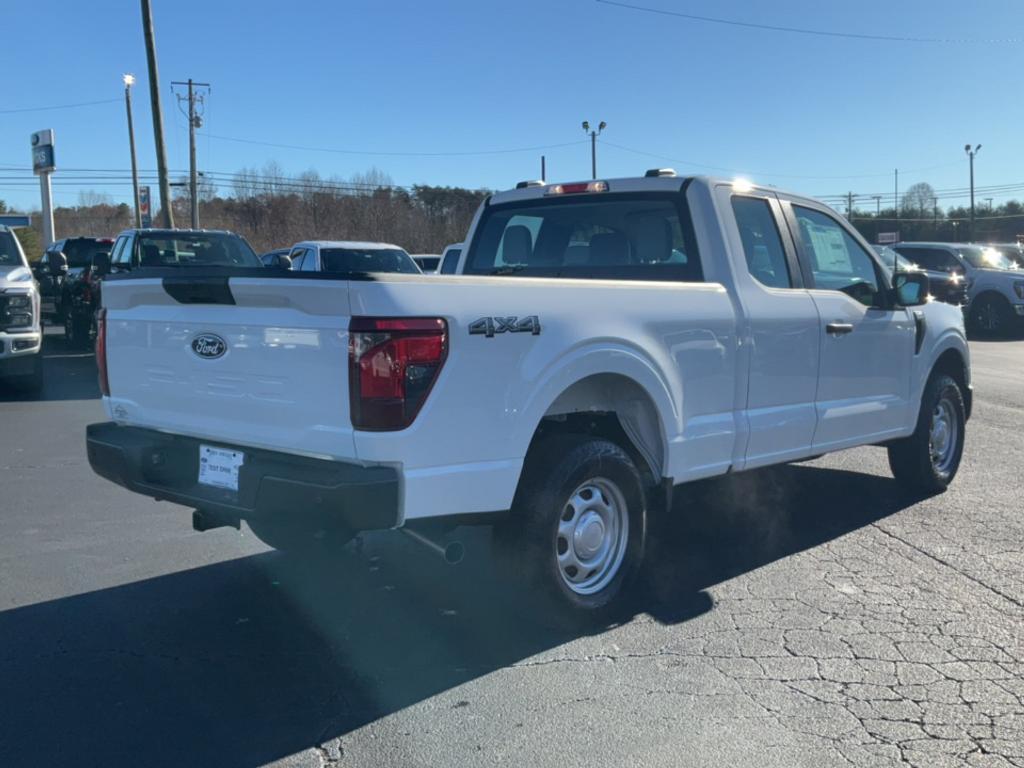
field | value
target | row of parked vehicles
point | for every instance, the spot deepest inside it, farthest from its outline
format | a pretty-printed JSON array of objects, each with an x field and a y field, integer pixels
[
  {"x": 987, "y": 280},
  {"x": 71, "y": 270},
  {"x": 352, "y": 256}
]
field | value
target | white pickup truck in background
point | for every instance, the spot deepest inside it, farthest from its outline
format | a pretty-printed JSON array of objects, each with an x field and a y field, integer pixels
[
  {"x": 21, "y": 328},
  {"x": 603, "y": 342}
]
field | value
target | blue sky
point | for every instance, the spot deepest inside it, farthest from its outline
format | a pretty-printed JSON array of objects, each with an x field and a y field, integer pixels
[{"x": 818, "y": 115}]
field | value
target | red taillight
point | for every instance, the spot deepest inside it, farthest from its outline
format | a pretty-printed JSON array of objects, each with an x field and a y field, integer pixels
[
  {"x": 101, "y": 352},
  {"x": 393, "y": 363}
]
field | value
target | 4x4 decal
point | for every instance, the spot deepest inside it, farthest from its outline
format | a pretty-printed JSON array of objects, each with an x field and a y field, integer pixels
[{"x": 488, "y": 326}]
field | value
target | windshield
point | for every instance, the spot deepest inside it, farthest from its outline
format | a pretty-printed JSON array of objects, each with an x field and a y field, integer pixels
[
  {"x": 1012, "y": 252},
  {"x": 10, "y": 254},
  {"x": 631, "y": 237},
  {"x": 367, "y": 260},
  {"x": 888, "y": 256},
  {"x": 81, "y": 250},
  {"x": 195, "y": 249},
  {"x": 987, "y": 258}
]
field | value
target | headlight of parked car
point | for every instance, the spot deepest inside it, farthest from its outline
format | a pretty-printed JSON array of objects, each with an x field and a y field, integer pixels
[{"x": 17, "y": 312}]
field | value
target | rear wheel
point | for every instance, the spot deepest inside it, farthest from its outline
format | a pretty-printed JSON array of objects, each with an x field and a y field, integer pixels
[
  {"x": 991, "y": 315},
  {"x": 927, "y": 461},
  {"x": 577, "y": 533}
]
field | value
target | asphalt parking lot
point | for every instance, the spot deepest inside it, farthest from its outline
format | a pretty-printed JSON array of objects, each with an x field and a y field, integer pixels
[{"x": 802, "y": 616}]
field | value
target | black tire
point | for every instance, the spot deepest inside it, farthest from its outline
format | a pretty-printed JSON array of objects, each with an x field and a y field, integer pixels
[
  {"x": 911, "y": 459},
  {"x": 559, "y": 469},
  {"x": 990, "y": 315},
  {"x": 76, "y": 331},
  {"x": 32, "y": 382},
  {"x": 304, "y": 540}
]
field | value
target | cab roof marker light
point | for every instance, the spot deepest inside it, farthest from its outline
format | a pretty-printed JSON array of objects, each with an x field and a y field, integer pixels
[
  {"x": 661, "y": 173},
  {"x": 529, "y": 183},
  {"x": 578, "y": 187}
]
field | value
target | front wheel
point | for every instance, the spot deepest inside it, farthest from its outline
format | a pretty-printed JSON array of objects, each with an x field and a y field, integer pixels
[
  {"x": 76, "y": 330},
  {"x": 32, "y": 383},
  {"x": 577, "y": 533},
  {"x": 927, "y": 461},
  {"x": 991, "y": 315}
]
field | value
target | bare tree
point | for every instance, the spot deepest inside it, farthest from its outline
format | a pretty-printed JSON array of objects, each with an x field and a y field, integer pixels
[
  {"x": 88, "y": 198},
  {"x": 919, "y": 199}
]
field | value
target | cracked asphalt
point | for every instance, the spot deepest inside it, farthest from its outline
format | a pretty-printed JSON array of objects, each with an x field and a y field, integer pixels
[{"x": 807, "y": 615}]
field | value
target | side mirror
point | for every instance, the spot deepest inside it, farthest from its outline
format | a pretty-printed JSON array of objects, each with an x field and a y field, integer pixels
[
  {"x": 101, "y": 264},
  {"x": 910, "y": 288},
  {"x": 57, "y": 263},
  {"x": 281, "y": 261}
]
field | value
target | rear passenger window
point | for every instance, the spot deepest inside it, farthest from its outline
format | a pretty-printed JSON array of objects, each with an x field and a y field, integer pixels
[
  {"x": 620, "y": 237},
  {"x": 762, "y": 243}
]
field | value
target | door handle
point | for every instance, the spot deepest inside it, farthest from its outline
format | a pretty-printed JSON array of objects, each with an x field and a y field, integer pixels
[{"x": 839, "y": 329}]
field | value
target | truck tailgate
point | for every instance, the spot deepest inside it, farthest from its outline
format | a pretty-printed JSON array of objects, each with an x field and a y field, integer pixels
[{"x": 251, "y": 361}]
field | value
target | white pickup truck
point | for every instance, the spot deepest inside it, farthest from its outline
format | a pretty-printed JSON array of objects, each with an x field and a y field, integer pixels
[
  {"x": 603, "y": 342},
  {"x": 21, "y": 329}
]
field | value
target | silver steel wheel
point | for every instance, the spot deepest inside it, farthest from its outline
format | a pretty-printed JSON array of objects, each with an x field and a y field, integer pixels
[
  {"x": 943, "y": 435},
  {"x": 593, "y": 531}
]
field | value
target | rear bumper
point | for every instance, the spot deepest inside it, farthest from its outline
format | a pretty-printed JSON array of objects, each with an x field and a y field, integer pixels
[{"x": 270, "y": 484}]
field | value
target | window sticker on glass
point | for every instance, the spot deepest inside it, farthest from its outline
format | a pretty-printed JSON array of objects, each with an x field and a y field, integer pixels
[{"x": 830, "y": 249}]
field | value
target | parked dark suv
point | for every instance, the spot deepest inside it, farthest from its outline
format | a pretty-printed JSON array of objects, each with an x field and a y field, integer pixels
[
  {"x": 152, "y": 248},
  {"x": 54, "y": 284}
]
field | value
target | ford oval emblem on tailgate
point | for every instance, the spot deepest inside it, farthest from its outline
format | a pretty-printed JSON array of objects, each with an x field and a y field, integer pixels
[{"x": 209, "y": 345}]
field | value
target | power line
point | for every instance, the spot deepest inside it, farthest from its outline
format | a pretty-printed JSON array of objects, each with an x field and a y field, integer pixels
[
  {"x": 816, "y": 32},
  {"x": 774, "y": 175},
  {"x": 58, "y": 106},
  {"x": 393, "y": 154}
]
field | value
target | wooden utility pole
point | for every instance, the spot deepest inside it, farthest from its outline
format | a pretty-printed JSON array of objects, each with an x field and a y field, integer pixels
[
  {"x": 195, "y": 120},
  {"x": 166, "y": 215}
]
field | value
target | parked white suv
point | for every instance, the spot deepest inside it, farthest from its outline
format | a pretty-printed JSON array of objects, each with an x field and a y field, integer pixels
[
  {"x": 349, "y": 257},
  {"x": 21, "y": 333},
  {"x": 994, "y": 283},
  {"x": 604, "y": 342}
]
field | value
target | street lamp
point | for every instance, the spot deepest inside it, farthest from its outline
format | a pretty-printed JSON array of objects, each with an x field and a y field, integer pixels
[
  {"x": 129, "y": 81},
  {"x": 593, "y": 144},
  {"x": 971, "y": 153}
]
